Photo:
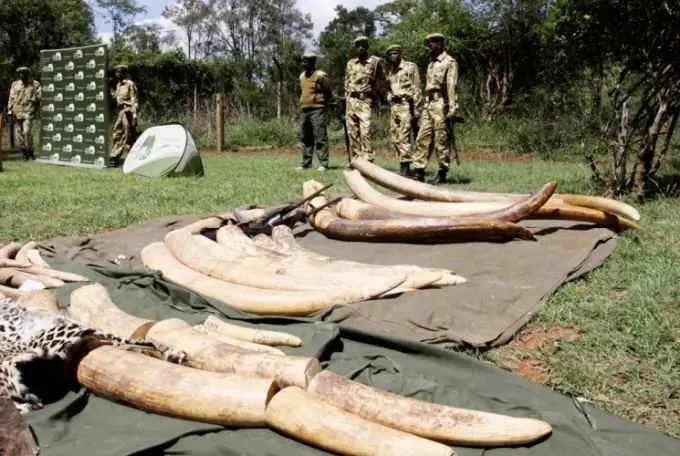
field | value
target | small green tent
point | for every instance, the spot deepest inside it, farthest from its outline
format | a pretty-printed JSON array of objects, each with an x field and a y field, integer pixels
[{"x": 165, "y": 150}]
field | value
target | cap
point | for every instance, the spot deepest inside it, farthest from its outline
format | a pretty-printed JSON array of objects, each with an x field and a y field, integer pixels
[
  {"x": 394, "y": 47},
  {"x": 361, "y": 39},
  {"x": 121, "y": 67},
  {"x": 309, "y": 56},
  {"x": 435, "y": 37},
  {"x": 23, "y": 69}
]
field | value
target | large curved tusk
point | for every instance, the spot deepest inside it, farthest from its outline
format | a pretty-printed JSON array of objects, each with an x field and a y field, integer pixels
[
  {"x": 450, "y": 425},
  {"x": 412, "y": 229},
  {"x": 369, "y": 195},
  {"x": 421, "y": 190}
]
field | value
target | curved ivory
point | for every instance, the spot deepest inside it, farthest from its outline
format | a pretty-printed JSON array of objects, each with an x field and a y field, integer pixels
[
  {"x": 307, "y": 418},
  {"x": 369, "y": 195},
  {"x": 60, "y": 275},
  {"x": 283, "y": 241},
  {"x": 446, "y": 424},
  {"x": 11, "y": 293},
  {"x": 209, "y": 354},
  {"x": 237, "y": 342},
  {"x": 10, "y": 250},
  {"x": 92, "y": 306},
  {"x": 164, "y": 388},
  {"x": 411, "y": 229},
  {"x": 34, "y": 258},
  {"x": 41, "y": 301},
  {"x": 17, "y": 277},
  {"x": 258, "y": 336},
  {"x": 232, "y": 237},
  {"x": 213, "y": 259},
  {"x": 421, "y": 190},
  {"x": 21, "y": 254},
  {"x": 259, "y": 301}
]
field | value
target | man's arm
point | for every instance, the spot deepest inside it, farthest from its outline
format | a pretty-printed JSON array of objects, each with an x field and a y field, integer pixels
[
  {"x": 451, "y": 85},
  {"x": 134, "y": 103},
  {"x": 325, "y": 82},
  {"x": 12, "y": 98},
  {"x": 347, "y": 75},
  {"x": 417, "y": 90}
]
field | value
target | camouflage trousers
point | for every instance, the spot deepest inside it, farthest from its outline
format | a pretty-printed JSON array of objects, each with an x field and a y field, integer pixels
[
  {"x": 360, "y": 127},
  {"x": 432, "y": 137},
  {"x": 313, "y": 133},
  {"x": 23, "y": 136},
  {"x": 400, "y": 132},
  {"x": 123, "y": 135}
]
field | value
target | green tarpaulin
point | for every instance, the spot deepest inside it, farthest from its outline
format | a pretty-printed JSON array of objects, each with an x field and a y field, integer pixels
[{"x": 86, "y": 425}]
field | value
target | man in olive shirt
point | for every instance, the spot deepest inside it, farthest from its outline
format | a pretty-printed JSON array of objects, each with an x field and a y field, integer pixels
[{"x": 314, "y": 99}]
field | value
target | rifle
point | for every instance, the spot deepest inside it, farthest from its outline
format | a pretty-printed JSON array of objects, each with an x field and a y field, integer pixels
[
  {"x": 280, "y": 215},
  {"x": 451, "y": 137},
  {"x": 10, "y": 126},
  {"x": 343, "y": 119},
  {"x": 415, "y": 124}
]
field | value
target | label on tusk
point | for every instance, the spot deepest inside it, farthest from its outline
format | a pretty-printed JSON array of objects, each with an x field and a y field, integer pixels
[{"x": 32, "y": 285}]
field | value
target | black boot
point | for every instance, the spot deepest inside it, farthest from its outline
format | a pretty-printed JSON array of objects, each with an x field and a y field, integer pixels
[
  {"x": 24, "y": 152},
  {"x": 113, "y": 162},
  {"x": 405, "y": 169},
  {"x": 441, "y": 177},
  {"x": 31, "y": 155},
  {"x": 419, "y": 174}
]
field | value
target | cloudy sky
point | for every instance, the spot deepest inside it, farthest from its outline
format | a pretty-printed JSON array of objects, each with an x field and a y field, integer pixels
[{"x": 321, "y": 11}]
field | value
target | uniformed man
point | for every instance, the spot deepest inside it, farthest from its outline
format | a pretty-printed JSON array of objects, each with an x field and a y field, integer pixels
[
  {"x": 438, "y": 112},
  {"x": 405, "y": 99},
  {"x": 24, "y": 97},
  {"x": 315, "y": 96},
  {"x": 124, "y": 132},
  {"x": 364, "y": 79}
]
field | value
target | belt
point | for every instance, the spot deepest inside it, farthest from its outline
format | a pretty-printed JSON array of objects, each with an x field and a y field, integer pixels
[
  {"x": 397, "y": 99},
  {"x": 361, "y": 95},
  {"x": 434, "y": 95}
]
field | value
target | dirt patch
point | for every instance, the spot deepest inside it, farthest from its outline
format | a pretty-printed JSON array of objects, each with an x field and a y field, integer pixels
[
  {"x": 522, "y": 356},
  {"x": 481, "y": 155},
  {"x": 538, "y": 339}
]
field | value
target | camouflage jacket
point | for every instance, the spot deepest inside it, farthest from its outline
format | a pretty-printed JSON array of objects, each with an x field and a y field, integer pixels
[
  {"x": 24, "y": 98},
  {"x": 125, "y": 95},
  {"x": 442, "y": 78},
  {"x": 404, "y": 81},
  {"x": 364, "y": 76}
]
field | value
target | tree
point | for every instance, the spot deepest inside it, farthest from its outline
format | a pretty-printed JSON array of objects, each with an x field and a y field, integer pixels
[{"x": 121, "y": 14}]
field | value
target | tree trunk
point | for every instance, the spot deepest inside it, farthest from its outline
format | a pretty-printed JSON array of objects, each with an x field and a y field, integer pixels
[
  {"x": 279, "y": 87},
  {"x": 645, "y": 157}
]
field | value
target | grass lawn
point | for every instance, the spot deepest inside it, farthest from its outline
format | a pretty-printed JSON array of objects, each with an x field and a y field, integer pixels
[{"x": 612, "y": 338}]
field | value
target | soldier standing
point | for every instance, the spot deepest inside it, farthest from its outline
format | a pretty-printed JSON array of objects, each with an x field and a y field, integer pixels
[
  {"x": 364, "y": 77},
  {"x": 436, "y": 127},
  {"x": 405, "y": 99},
  {"x": 315, "y": 96},
  {"x": 24, "y": 97},
  {"x": 123, "y": 135}
]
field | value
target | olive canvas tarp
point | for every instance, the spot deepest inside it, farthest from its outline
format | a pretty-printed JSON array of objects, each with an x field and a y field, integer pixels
[
  {"x": 508, "y": 281},
  {"x": 85, "y": 425}
]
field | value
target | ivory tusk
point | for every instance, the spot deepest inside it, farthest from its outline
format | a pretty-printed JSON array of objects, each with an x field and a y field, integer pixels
[
  {"x": 421, "y": 190},
  {"x": 450, "y": 425}
]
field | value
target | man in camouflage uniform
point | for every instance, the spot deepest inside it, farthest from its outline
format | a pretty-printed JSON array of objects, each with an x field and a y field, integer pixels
[
  {"x": 123, "y": 135},
  {"x": 436, "y": 126},
  {"x": 405, "y": 99},
  {"x": 24, "y": 97},
  {"x": 364, "y": 79},
  {"x": 315, "y": 96}
]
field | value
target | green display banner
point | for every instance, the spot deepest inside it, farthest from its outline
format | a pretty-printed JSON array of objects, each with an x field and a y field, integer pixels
[{"x": 75, "y": 106}]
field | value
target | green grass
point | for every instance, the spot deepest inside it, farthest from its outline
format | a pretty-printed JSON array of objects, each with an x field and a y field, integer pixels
[{"x": 626, "y": 313}]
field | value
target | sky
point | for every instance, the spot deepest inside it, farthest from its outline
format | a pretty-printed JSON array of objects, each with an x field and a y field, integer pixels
[{"x": 322, "y": 12}]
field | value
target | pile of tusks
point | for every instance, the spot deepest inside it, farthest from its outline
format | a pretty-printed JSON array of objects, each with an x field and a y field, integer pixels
[
  {"x": 274, "y": 275},
  {"x": 227, "y": 384},
  {"x": 439, "y": 214},
  {"x": 23, "y": 268}
]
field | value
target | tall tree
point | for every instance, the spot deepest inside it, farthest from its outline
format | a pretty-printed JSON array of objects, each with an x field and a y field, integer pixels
[{"x": 120, "y": 14}]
